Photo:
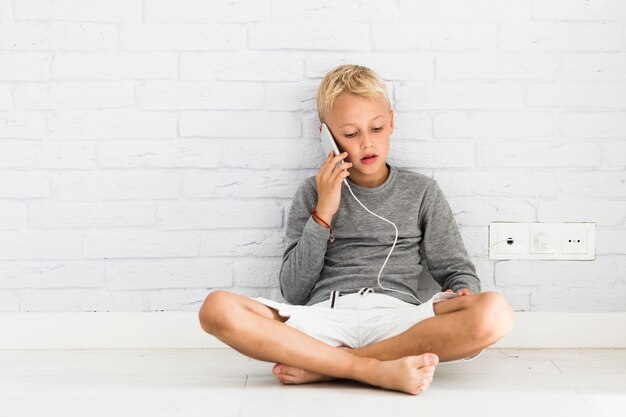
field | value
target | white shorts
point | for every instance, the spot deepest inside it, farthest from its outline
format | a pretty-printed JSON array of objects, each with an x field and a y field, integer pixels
[{"x": 357, "y": 319}]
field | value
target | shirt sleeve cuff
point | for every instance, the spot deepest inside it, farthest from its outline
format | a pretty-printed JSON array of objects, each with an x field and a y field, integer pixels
[
  {"x": 314, "y": 228},
  {"x": 469, "y": 282}
]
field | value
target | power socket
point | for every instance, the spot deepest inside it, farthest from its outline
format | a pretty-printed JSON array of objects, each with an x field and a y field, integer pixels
[
  {"x": 574, "y": 241},
  {"x": 542, "y": 238}
]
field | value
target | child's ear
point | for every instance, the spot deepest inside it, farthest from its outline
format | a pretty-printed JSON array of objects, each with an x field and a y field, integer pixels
[{"x": 392, "y": 122}]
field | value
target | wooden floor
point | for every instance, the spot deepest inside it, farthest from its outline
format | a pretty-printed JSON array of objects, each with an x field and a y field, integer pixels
[{"x": 222, "y": 382}]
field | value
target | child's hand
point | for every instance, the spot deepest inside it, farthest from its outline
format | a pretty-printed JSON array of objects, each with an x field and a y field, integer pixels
[
  {"x": 328, "y": 180},
  {"x": 462, "y": 292}
]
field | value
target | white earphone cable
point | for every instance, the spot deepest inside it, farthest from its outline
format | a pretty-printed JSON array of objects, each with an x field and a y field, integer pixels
[{"x": 394, "y": 244}]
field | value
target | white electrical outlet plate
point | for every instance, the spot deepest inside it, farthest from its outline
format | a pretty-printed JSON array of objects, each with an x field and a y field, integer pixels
[{"x": 573, "y": 241}]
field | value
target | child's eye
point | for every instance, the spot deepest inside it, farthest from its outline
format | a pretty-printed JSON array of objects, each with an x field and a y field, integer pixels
[
  {"x": 377, "y": 129},
  {"x": 350, "y": 135}
]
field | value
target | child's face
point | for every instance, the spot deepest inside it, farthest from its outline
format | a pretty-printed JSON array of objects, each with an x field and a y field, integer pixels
[{"x": 362, "y": 126}]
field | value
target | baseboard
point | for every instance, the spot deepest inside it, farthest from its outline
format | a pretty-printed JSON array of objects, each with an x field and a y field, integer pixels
[{"x": 159, "y": 330}]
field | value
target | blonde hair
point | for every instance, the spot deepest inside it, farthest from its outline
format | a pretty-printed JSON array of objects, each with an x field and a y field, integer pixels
[{"x": 350, "y": 79}]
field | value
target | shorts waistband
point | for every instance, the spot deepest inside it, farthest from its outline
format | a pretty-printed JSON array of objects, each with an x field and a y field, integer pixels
[{"x": 335, "y": 294}]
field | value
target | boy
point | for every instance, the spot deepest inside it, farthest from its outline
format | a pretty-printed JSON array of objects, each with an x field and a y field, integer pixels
[{"x": 346, "y": 317}]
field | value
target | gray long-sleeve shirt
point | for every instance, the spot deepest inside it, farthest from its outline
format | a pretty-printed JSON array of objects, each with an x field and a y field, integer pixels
[{"x": 313, "y": 266}]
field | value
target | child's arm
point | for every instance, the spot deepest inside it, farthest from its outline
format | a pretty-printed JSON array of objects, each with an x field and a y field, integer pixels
[
  {"x": 442, "y": 244},
  {"x": 303, "y": 257}
]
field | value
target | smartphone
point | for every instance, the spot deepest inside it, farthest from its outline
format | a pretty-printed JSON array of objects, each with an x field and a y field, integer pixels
[{"x": 328, "y": 142}]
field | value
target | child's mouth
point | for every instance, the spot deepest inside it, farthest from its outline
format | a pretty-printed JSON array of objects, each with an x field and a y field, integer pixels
[{"x": 369, "y": 160}]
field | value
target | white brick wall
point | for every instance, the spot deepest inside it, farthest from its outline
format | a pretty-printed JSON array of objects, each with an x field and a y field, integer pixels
[{"x": 149, "y": 150}]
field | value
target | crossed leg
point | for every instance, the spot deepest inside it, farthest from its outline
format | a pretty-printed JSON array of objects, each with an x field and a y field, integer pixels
[
  {"x": 256, "y": 330},
  {"x": 462, "y": 327}
]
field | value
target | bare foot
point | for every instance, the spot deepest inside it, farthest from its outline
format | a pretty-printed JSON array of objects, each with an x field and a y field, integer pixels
[
  {"x": 411, "y": 374},
  {"x": 292, "y": 375}
]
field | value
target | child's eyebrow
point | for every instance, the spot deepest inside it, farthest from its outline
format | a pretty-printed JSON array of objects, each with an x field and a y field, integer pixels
[{"x": 373, "y": 118}]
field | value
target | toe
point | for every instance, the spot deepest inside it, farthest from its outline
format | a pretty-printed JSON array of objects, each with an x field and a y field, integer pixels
[
  {"x": 277, "y": 369},
  {"x": 429, "y": 359}
]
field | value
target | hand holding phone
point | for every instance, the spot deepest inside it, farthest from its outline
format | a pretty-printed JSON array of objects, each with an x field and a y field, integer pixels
[{"x": 332, "y": 172}]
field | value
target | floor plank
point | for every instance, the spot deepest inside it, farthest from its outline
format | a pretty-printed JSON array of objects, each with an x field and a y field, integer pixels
[{"x": 222, "y": 382}]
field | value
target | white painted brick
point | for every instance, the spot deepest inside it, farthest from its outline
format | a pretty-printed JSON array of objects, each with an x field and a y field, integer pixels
[
  {"x": 412, "y": 125},
  {"x": 159, "y": 154},
  {"x": 505, "y": 124},
  {"x": 111, "y": 124},
  {"x": 295, "y": 96},
  {"x": 13, "y": 216},
  {"x": 620, "y": 262},
  {"x": 604, "y": 212},
  {"x": 175, "y": 299},
  {"x": 579, "y": 9},
  {"x": 114, "y": 66},
  {"x": 79, "y": 10},
  {"x": 50, "y": 244},
  {"x": 6, "y": 11},
  {"x": 9, "y": 300},
  {"x": 262, "y": 272},
  {"x": 21, "y": 184},
  {"x": 180, "y": 95},
  {"x": 433, "y": 154},
  {"x": 45, "y": 154},
  {"x": 73, "y": 95},
  {"x": 611, "y": 241},
  {"x": 281, "y": 154},
  {"x": 219, "y": 214},
  {"x": 311, "y": 125},
  {"x": 593, "y": 124},
  {"x": 244, "y": 242},
  {"x": 198, "y": 10},
  {"x": 24, "y": 66},
  {"x": 64, "y": 36},
  {"x": 115, "y": 185},
  {"x": 242, "y": 65},
  {"x": 435, "y": 36},
  {"x": 180, "y": 37},
  {"x": 62, "y": 300},
  {"x": 168, "y": 273},
  {"x": 549, "y": 154},
  {"x": 570, "y": 94},
  {"x": 596, "y": 67},
  {"x": 600, "y": 273},
  {"x": 485, "y": 271},
  {"x": 114, "y": 86},
  {"x": 475, "y": 240},
  {"x": 6, "y": 97},
  {"x": 331, "y": 11},
  {"x": 240, "y": 183},
  {"x": 46, "y": 215},
  {"x": 389, "y": 65},
  {"x": 615, "y": 153},
  {"x": 605, "y": 184},
  {"x": 309, "y": 35},
  {"x": 251, "y": 124},
  {"x": 481, "y": 212},
  {"x": 491, "y": 66},
  {"x": 140, "y": 244},
  {"x": 23, "y": 125},
  {"x": 518, "y": 298},
  {"x": 453, "y": 95},
  {"x": 526, "y": 35},
  {"x": 518, "y": 183},
  {"x": 42, "y": 274},
  {"x": 463, "y": 10},
  {"x": 578, "y": 299},
  {"x": 269, "y": 293}
]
